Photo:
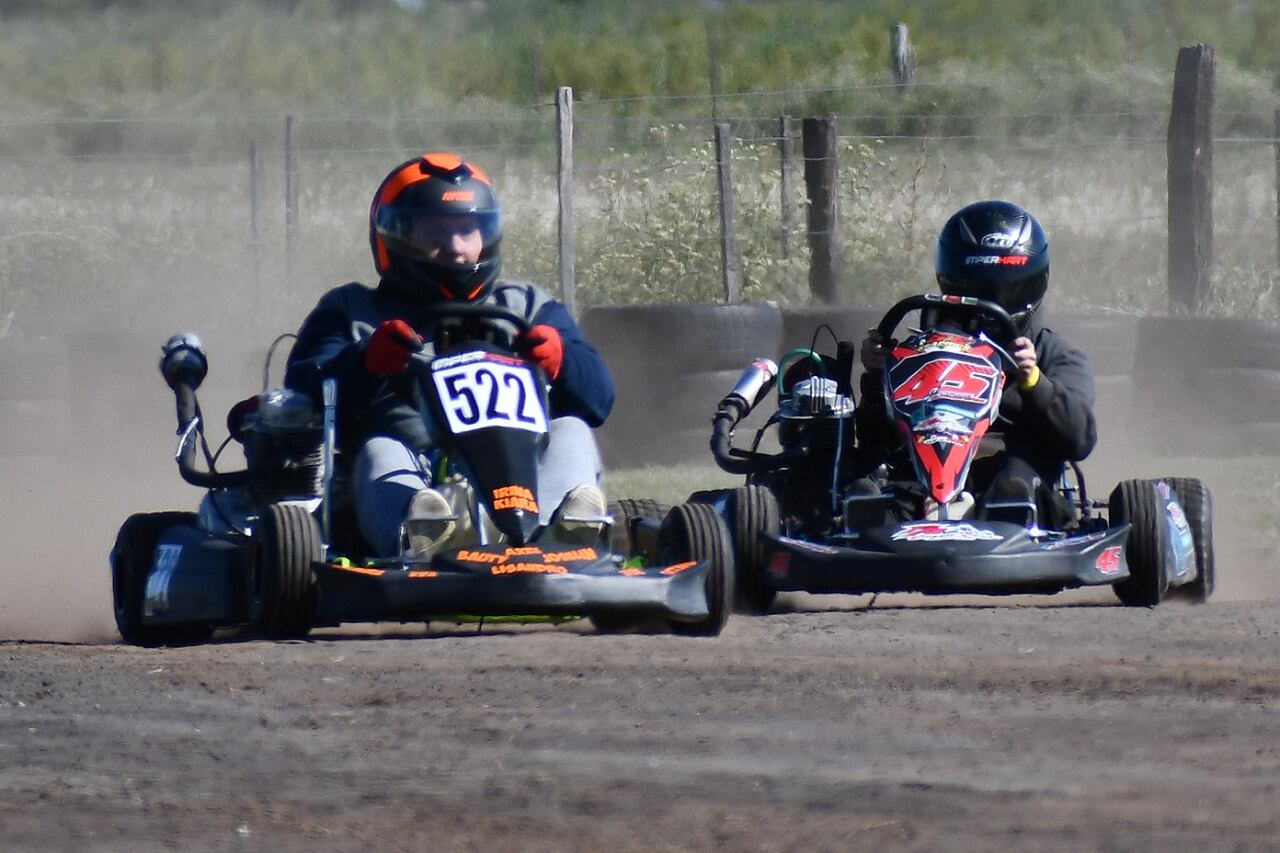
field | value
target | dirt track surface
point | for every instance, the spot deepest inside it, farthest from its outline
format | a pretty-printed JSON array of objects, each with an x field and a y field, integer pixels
[{"x": 919, "y": 727}]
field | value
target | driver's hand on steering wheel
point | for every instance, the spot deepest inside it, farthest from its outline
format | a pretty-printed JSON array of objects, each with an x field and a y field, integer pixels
[
  {"x": 874, "y": 351},
  {"x": 1023, "y": 351}
]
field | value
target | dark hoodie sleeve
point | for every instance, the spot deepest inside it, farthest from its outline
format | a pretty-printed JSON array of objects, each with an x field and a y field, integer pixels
[
  {"x": 324, "y": 349},
  {"x": 584, "y": 387},
  {"x": 1058, "y": 411}
]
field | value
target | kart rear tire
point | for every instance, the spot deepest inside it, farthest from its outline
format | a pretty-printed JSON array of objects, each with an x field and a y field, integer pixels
[
  {"x": 1197, "y": 505},
  {"x": 695, "y": 531},
  {"x": 1135, "y": 501},
  {"x": 282, "y": 580},
  {"x": 752, "y": 511},
  {"x": 131, "y": 559},
  {"x": 624, "y": 511},
  {"x": 627, "y": 510}
]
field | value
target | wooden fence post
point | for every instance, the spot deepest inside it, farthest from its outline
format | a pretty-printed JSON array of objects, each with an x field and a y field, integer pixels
[
  {"x": 786, "y": 152},
  {"x": 564, "y": 184},
  {"x": 729, "y": 265},
  {"x": 290, "y": 203},
  {"x": 902, "y": 58},
  {"x": 1190, "y": 153},
  {"x": 255, "y": 209},
  {"x": 822, "y": 182}
]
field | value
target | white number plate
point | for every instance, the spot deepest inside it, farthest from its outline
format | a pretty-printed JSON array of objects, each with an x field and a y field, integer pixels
[{"x": 477, "y": 394}]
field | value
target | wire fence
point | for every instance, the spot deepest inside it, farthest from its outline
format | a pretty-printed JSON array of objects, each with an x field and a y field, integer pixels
[{"x": 126, "y": 221}]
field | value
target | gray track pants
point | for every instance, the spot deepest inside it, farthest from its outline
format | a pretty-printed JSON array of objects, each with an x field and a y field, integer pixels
[{"x": 387, "y": 474}]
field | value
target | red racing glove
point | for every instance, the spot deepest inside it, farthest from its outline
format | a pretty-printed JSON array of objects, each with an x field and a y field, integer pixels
[
  {"x": 545, "y": 348},
  {"x": 388, "y": 351}
]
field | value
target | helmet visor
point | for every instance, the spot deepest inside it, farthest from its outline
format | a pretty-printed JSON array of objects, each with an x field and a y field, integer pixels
[{"x": 448, "y": 238}]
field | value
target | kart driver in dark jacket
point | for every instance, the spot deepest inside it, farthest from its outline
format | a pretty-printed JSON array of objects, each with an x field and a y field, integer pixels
[
  {"x": 996, "y": 250},
  {"x": 435, "y": 229}
]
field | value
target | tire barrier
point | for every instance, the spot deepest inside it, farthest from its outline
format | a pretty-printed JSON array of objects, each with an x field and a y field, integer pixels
[
  {"x": 1208, "y": 386},
  {"x": 671, "y": 365},
  {"x": 801, "y": 326}
]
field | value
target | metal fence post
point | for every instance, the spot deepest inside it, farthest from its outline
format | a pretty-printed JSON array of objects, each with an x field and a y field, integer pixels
[
  {"x": 786, "y": 153},
  {"x": 730, "y": 267}
]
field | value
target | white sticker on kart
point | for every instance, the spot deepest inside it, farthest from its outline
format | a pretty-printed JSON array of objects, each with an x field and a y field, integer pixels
[
  {"x": 156, "y": 597},
  {"x": 486, "y": 392},
  {"x": 932, "y": 532}
]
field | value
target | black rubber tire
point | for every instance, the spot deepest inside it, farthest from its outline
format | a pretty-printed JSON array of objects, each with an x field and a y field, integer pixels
[
  {"x": 751, "y": 511},
  {"x": 1135, "y": 501},
  {"x": 131, "y": 559},
  {"x": 695, "y": 531},
  {"x": 1175, "y": 343},
  {"x": 282, "y": 582},
  {"x": 800, "y": 324},
  {"x": 1197, "y": 505},
  {"x": 623, "y": 511},
  {"x": 1109, "y": 341}
]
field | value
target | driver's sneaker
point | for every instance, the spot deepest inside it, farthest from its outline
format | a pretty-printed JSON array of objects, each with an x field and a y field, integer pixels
[
  {"x": 429, "y": 521},
  {"x": 580, "y": 518}
]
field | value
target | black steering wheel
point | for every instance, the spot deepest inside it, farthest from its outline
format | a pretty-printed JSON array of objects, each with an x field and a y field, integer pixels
[{"x": 1001, "y": 331}]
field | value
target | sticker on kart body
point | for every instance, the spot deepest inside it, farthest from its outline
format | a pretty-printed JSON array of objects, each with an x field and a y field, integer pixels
[
  {"x": 482, "y": 390},
  {"x": 514, "y": 497},
  {"x": 1073, "y": 541},
  {"x": 157, "y": 591},
  {"x": 809, "y": 546},
  {"x": 528, "y": 569},
  {"x": 931, "y": 532},
  {"x": 1108, "y": 561},
  {"x": 677, "y": 568}
]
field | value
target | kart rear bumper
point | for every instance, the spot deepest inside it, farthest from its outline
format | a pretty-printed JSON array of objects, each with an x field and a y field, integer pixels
[{"x": 1013, "y": 563}]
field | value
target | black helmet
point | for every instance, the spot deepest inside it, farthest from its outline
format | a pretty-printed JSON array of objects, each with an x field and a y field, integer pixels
[
  {"x": 422, "y": 202},
  {"x": 995, "y": 250}
]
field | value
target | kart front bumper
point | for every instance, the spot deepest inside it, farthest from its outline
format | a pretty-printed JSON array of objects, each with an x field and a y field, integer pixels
[
  {"x": 412, "y": 592},
  {"x": 989, "y": 558}
]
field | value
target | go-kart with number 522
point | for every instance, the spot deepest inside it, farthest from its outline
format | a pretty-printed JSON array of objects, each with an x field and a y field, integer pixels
[{"x": 275, "y": 546}]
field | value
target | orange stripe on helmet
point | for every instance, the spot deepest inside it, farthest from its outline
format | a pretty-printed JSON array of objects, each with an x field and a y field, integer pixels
[{"x": 443, "y": 160}]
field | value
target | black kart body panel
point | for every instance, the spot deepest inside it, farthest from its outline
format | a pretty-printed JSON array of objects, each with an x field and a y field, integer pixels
[
  {"x": 947, "y": 557},
  {"x": 198, "y": 578},
  {"x": 495, "y": 582}
]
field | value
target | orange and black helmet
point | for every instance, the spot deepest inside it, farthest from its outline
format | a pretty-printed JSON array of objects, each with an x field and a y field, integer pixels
[{"x": 422, "y": 205}]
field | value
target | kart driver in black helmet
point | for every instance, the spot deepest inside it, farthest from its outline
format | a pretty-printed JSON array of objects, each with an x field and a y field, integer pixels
[
  {"x": 996, "y": 250},
  {"x": 435, "y": 229}
]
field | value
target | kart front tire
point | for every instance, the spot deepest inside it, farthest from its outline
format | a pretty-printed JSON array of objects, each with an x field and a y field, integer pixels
[
  {"x": 752, "y": 511},
  {"x": 1135, "y": 502},
  {"x": 695, "y": 531},
  {"x": 131, "y": 560},
  {"x": 287, "y": 545},
  {"x": 1197, "y": 504}
]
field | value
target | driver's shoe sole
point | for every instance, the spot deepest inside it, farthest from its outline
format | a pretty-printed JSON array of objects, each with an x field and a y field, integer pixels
[
  {"x": 580, "y": 519},
  {"x": 428, "y": 523}
]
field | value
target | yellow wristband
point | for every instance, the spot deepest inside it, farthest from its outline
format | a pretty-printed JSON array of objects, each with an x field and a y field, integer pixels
[{"x": 1030, "y": 382}]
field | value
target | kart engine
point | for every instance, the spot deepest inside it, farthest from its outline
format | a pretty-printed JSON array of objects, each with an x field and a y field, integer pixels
[
  {"x": 816, "y": 423},
  {"x": 817, "y": 415},
  {"x": 283, "y": 440}
]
